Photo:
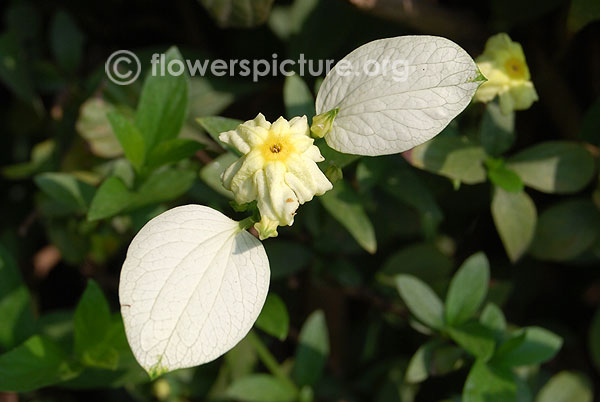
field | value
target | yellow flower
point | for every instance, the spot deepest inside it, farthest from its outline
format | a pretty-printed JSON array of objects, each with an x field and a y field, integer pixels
[
  {"x": 503, "y": 64},
  {"x": 278, "y": 169}
]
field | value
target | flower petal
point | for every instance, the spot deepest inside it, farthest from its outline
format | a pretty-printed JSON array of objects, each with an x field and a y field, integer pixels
[
  {"x": 276, "y": 199},
  {"x": 305, "y": 178},
  {"x": 247, "y": 135},
  {"x": 239, "y": 177}
]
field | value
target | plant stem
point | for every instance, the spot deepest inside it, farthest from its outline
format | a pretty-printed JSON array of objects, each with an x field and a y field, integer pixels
[{"x": 269, "y": 360}]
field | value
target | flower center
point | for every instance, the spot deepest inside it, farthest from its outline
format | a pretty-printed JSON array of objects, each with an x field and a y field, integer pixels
[
  {"x": 515, "y": 68},
  {"x": 277, "y": 147}
]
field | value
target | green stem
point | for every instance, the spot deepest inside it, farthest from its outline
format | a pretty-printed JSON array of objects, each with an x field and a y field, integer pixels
[
  {"x": 247, "y": 223},
  {"x": 269, "y": 360}
]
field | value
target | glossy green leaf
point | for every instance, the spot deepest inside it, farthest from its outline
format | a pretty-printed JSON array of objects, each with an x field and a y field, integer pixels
[
  {"x": 488, "y": 383},
  {"x": 421, "y": 300},
  {"x": 297, "y": 98},
  {"x": 163, "y": 103},
  {"x": 287, "y": 258},
  {"x": 130, "y": 138},
  {"x": 531, "y": 345},
  {"x": 66, "y": 189},
  {"x": 566, "y": 230},
  {"x": 515, "y": 217},
  {"x": 238, "y": 13},
  {"x": 36, "y": 363},
  {"x": 467, "y": 290},
  {"x": 475, "y": 339},
  {"x": 452, "y": 157},
  {"x": 261, "y": 388},
  {"x": 112, "y": 197},
  {"x": 567, "y": 386},
  {"x": 92, "y": 325},
  {"x": 274, "y": 318},
  {"x": 313, "y": 350},
  {"x": 18, "y": 321},
  {"x": 554, "y": 167},
  {"x": 93, "y": 125},
  {"x": 345, "y": 206}
]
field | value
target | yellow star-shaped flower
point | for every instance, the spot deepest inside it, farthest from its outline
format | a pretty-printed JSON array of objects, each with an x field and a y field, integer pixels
[
  {"x": 503, "y": 64},
  {"x": 278, "y": 169}
]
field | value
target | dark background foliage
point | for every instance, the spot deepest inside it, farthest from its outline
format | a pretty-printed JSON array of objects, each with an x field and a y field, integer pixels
[{"x": 316, "y": 264}]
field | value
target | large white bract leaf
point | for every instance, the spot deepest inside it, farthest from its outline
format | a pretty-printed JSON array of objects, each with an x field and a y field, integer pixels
[
  {"x": 192, "y": 286},
  {"x": 422, "y": 84}
]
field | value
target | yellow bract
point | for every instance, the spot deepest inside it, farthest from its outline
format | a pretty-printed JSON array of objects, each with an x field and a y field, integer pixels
[
  {"x": 503, "y": 64},
  {"x": 278, "y": 169}
]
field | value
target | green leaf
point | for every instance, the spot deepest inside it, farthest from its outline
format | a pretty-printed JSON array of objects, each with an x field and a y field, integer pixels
[
  {"x": 215, "y": 125},
  {"x": 406, "y": 186},
  {"x": 297, "y": 98},
  {"x": 112, "y": 197},
  {"x": 422, "y": 260},
  {"x": 566, "y": 230},
  {"x": 66, "y": 189},
  {"x": 333, "y": 157},
  {"x": 497, "y": 131},
  {"x": 13, "y": 69},
  {"x": 493, "y": 319},
  {"x": 582, "y": 12},
  {"x": 287, "y": 258},
  {"x": 503, "y": 177},
  {"x": 452, "y": 157},
  {"x": 531, "y": 345},
  {"x": 554, "y": 167},
  {"x": 163, "y": 104},
  {"x": 467, "y": 289},
  {"x": 211, "y": 173},
  {"x": 591, "y": 121},
  {"x": 238, "y": 13},
  {"x": 515, "y": 217},
  {"x": 93, "y": 125},
  {"x": 172, "y": 151},
  {"x": 66, "y": 40},
  {"x": 36, "y": 363},
  {"x": 421, "y": 300},
  {"x": 18, "y": 321},
  {"x": 434, "y": 358},
  {"x": 92, "y": 323},
  {"x": 567, "y": 386},
  {"x": 130, "y": 138},
  {"x": 163, "y": 185},
  {"x": 475, "y": 339},
  {"x": 274, "y": 318},
  {"x": 487, "y": 383},
  {"x": 344, "y": 205},
  {"x": 261, "y": 388},
  {"x": 286, "y": 20},
  {"x": 594, "y": 339},
  {"x": 313, "y": 350}
]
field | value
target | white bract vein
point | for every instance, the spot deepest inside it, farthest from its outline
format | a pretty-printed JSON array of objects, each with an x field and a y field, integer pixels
[
  {"x": 422, "y": 84},
  {"x": 192, "y": 286}
]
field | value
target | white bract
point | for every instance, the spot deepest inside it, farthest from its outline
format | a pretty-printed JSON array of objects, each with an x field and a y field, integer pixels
[
  {"x": 192, "y": 286},
  {"x": 396, "y": 93}
]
